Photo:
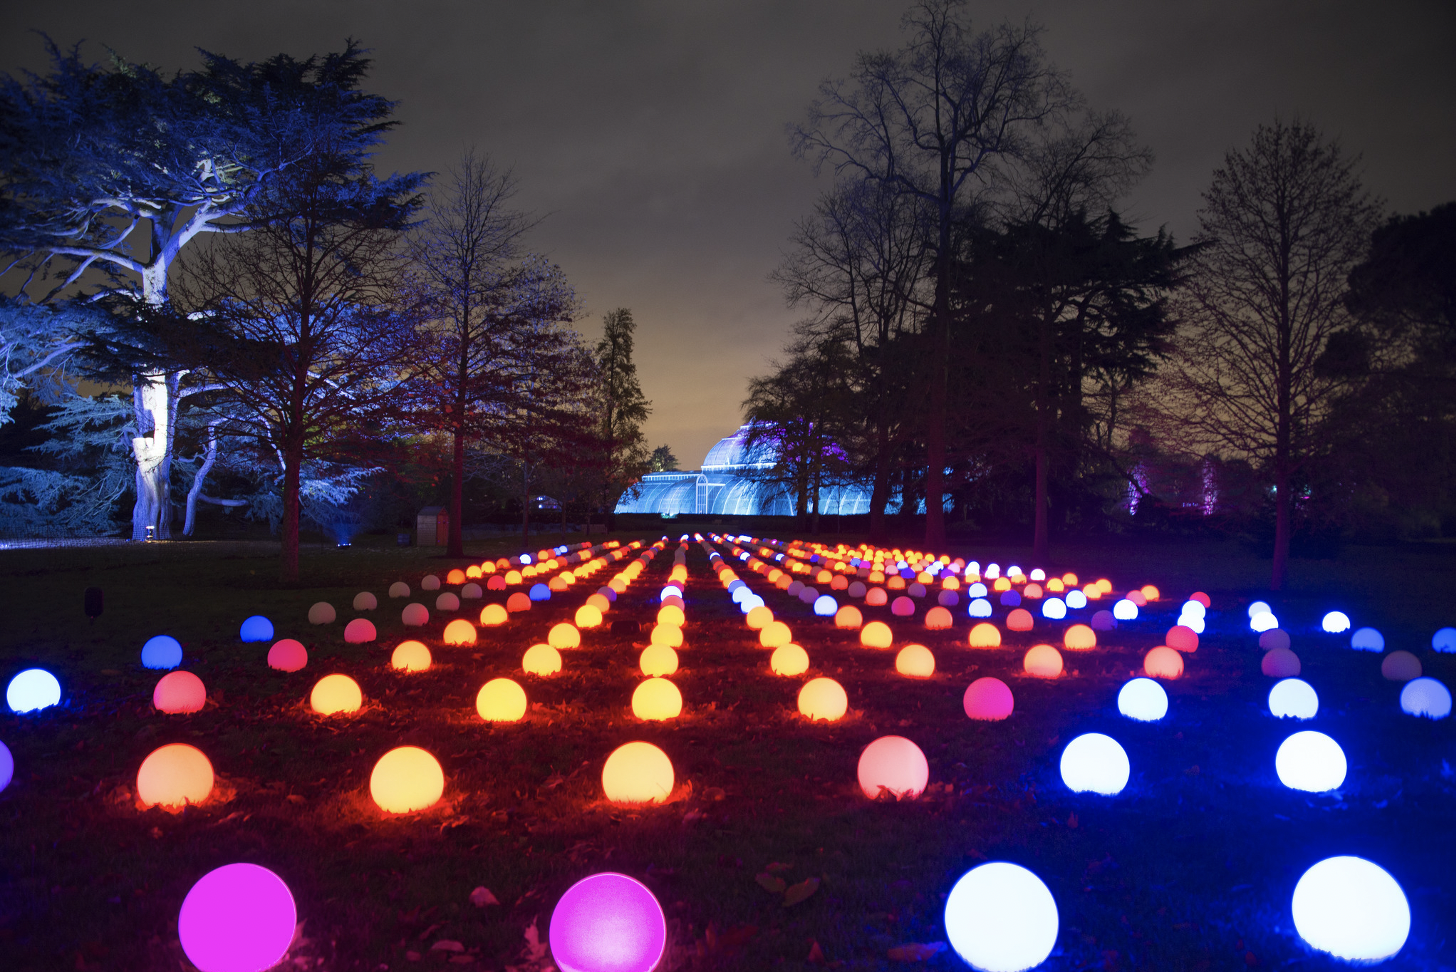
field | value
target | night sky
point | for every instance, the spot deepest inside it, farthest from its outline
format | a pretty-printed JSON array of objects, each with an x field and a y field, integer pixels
[{"x": 651, "y": 134}]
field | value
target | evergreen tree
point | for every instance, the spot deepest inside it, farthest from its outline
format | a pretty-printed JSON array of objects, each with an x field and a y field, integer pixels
[{"x": 622, "y": 450}]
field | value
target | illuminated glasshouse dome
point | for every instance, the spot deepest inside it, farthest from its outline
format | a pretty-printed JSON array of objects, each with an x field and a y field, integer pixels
[{"x": 735, "y": 480}]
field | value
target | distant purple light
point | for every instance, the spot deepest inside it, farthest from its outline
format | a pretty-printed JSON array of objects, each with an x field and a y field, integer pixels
[
  {"x": 238, "y": 918},
  {"x": 608, "y": 923}
]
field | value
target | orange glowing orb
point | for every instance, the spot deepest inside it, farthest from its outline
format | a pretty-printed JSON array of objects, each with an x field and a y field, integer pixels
[
  {"x": 1163, "y": 662},
  {"x": 789, "y": 659},
  {"x": 410, "y": 656},
  {"x": 656, "y": 699},
  {"x": 459, "y": 632},
  {"x": 600, "y": 602},
  {"x": 915, "y": 661},
  {"x": 848, "y": 617},
  {"x": 174, "y": 776},
  {"x": 823, "y": 698},
  {"x": 1043, "y": 661},
  {"x": 1079, "y": 637},
  {"x": 519, "y": 601},
  {"x": 637, "y": 772},
  {"x": 876, "y": 634},
  {"x": 541, "y": 660},
  {"x": 406, "y": 779},
  {"x": 334, "y": 694},
  {"x": 1019, "y": 620},
  {"x": 657, "y": 660},
  {"x": 985, "y": 635},
  {"x": 493, "y": 614},
  {"x": 456, "y": 577},
  {"x": 287, "y": 655},
  {"x": 937, "y": 619},
  {"x": 589, "y": 615},
  {"x": 759, "y": 617},
  {"x": 876, "y": 597},
  {"x": 179, "y": 692},
  {"x": 666, "y": 634},
  {"x": 564, "y": 635},
  {"x": 1032, "y": 591},
  {"x": 774, "y": 634},
  {"x": 1150, "y": 592},
  {"x": 671, "y": 614},
  {"x": 893, "y": 766},
  {"x": 501, "y": 700}
]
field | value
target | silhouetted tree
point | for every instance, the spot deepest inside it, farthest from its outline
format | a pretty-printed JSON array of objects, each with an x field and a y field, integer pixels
[
  {"x": 663, "y": 460},
  {"x": 621, "y": 449}
]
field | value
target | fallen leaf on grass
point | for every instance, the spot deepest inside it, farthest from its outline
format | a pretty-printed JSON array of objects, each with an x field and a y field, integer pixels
[
  {"x": 725, "y": 943},
  {"x": 535, "y": 949},
  {"x": 916, "y": 952},
  {"x": 446, "y": 945},
  {"x": 816, "y": 954},
  {"x": 481, "y": 897},
  {"x": 770, "y": 883},
  {"x": 777, "y": 868},
  {"x": 800, "y": 892}
]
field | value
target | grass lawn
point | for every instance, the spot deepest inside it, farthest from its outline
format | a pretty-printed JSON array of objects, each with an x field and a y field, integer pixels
[{"x": 1191, "y": 867}]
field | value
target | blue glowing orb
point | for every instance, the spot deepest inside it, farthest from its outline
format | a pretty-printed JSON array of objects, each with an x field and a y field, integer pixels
[
  {"x": 32, "y": 690},
  {"x": 7, "y": 767},
  {"x": 1095, "y": 763},
  {"x": 825, "y": 606},
  {"x": 1425, "y": 697},
  {"x": 1367, "y": 639},
  {"x": 1125, "y": 610},
  {"x": 1000, "y": 917},
  {"x": 1444, "y": 640},
  {"x": 1310, "y": 761},
  {"x": 1010, "y": 599},
  {"x": 540, "y": 592},
  {"x": 1143, "y": 699},
  {"x": 1054, "y": 608},
  {"x": 162, "y": 652},
  {"x": 256, "y": 628},
  {"x": 1352, "y": 909},
  {"x": 980, "y": 608},
  {"x": 1293, "y": 698},
  {"x": 1335, "y": 622}
]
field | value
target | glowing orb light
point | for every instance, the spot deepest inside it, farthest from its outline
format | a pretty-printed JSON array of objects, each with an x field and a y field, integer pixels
[
  {"x": 1137, "y": 598},
  {"x": 774, "y": 634},
  {"x": 948, "y": 598},
  {"x": 976, "y": 590},
  {"x": 455, "y": 577},
  {"x": 493, "y": 614},
  {"x": 876, "y": 634},
  {"x": 657, "y": 660},
  {"x": 541, "y": 660},
  {"x": 894, "y": 765},
  {"x": 1444, "y": 640},
  {"x": 588, "y": 616},
  {"x": 472, "y": 592},
  {"x": 1263, "y": 621},
  {"x": 1043, "y": 661},
  {"x": 789, "y": 660},
  {"x": 979, "y": 608},
  {"x": 672, "y": 614},
  {"x": 1163, "y": 662},
  {"x": 937, "y": 619},
  {"x": 848, "y": 617},
  {"x": 1280, "y": 663},
  {"x": 823, "y": 698},
  {"x": 1181, "y": 638},
  {"x": 1259, "y": 607},
  {"x": 1192, "y": 622},
  {"x": 1201, "y": 598},
  {"x": 1310, "y": 761},
  {"x": 322, "y": 613},
  {"x": 364, "y": 601},
  {"x": 1293, "y": 698},
  {"x": 985, "y": 635},
  {"x": 406, "y": 779},
  {"x": 1142, "y": 699},
  {"x": 1425, "y": 697},
  {"x": 540, "y": 592},
  {"x": 162, "y": 652},
  {"x": 1400, "y": 666},
  {"x": 501, "y": 700},
  {"x": 1076, "y": 600},
  {"x": 429, "y": 583},
  {"x": 517, "y": 602},
  {"x": 174, "y": 776},
  {"x": 1194, "y": 608},
  {"x": 399, "y": 589},
  {"x": 1125, "y": 610},
  {"x": 359, "y": 631},
  {"x": 608, "y": 923},
  {"x": 564, "y": 635},
  {"x": 414, "y": 615},
  {"x": 1054, "y": 609},
  {"x": 902, "y": 607},
  {"x": 32, "y": 690},
  {"x": 410, "y": 656},
  {"x": 1095, "y": 763},
  {"x": 666, "y": 634},
  {"x": 988, "y": 699},
  {"x": 447, "y": 602},
  {"x": 1010, "y": 598},
  {"x": 1079, "y": 637},
  {"x": 656, "y": 699},
  {"x": 1103, "y": 621},
  {"x": 459, "y": 632},
  {"x": 1274, "y": 638},
  {"x": 1000, "y": 917},
  {"x": 916, "y": 661},
  {"x": 336, "y": 693},
  {"x": 826, "y": 606},
  {"x": 287, "y": 655},
  {"x": 1367, "y": 639},
  {"x": 256, "y": 628},
  {"x": 1352, "y": 909},
  {"x": 7, "y": 767},
  {"x": 1335, "y": 622},
  {"x": 237, "y": 918},
  {"x": 637, "y": 772},
  {"x": 179, "y": 692}
]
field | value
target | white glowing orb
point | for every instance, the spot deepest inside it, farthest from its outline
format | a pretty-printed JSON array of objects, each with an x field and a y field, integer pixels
[
  {"x": 1125, "y": 610},
  {"x": 1352, "y": 909},
  {"x": 1310, "y": 761},
  {"x": 980, "y": 608},
  {"x": 1293, "y": 698},
  {"x": 825, "y": 606},
  {"x": 1193, "y": 622},
  {"x": 1194, "y": 608},
  {"x": 1335, "y": 622},
  {"x": 1367, "y": 639},
  {"x": 1143, "y": 699},
  {"x": 1425, "y": 697},
  {"x": 1094, "y": 763},
  {"x": 1444, "y": 640},
  {"x": 1000, "y": 917},
  {"x": 1054, "y": 608},
  {"x": 32, "y": 690},
  {"x": 976, "y": 590},
  {"x": 1257, "y": 608},
  {"x": 1263, "y": 621},
  {"x": 1076, "y": 600}
]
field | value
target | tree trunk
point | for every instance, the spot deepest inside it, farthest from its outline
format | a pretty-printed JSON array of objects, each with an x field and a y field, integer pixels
[
  {"x": 939, "y": 379},
  {"x": 456, "y": 546},
  {"x": 880, "y": 491},
  {"x": 153, "y": 506},
  {"x": 525, "y": 503},
  {"x": 288, "y": 530},
  {"x": 1043, "y": 407},
  {"x": 209, "y": 458}
]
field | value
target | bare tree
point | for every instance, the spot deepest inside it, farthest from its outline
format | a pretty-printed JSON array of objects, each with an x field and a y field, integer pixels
[{"x": 1282, "y": 224}]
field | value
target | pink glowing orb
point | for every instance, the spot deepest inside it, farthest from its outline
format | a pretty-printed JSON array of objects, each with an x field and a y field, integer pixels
[
  {"x": 360, "y": 631},
  {"x": 893, "y": 765},
  {"x": 988, "y": 699},
  {"x": 238, "y": 918},
  {"x": 608, "y": 922},
  {"x": 287, "y": 655},
  {"x": 179, "y": 692}
]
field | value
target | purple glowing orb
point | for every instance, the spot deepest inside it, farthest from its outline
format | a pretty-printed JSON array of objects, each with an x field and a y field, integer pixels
[
  {"x": 238, "y": 918},
  {"x": 608, "y": 923}
]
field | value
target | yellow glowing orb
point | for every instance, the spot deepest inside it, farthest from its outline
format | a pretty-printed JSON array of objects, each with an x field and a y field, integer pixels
[
  {"x": 656, "y": 699},
  {"x": 1043, "y": 661},
  {"x": 501, "y": 700},
  {"x": 876, "y": 634},
  {"x": 916, "y": 661},
  {"x": 658, "y": 660},
  {"x": 1151, "y": 593},
  {"x": 759, "y": 617},
  {"x": 985, "y": 635},
  {"x": 848, "y": 617},
  {"x": 823, "y": 698},
  {"x": 774, "y": 634},
  {"x": 671, "y": 614},
  {"x": 513, "y": 577},
  {"x": 406, "y": 779},
  {"x": 667, "y": 634},
  {"x": 493, "y": 614},
  {"x": 334, "y": 694},
  {"x": 541, "y": 660},
  {"x": 174, "y": 776},
  {"x": 589, "y": 615},
  {"x": 1079, "y": 637},
  {"x": 410, "y": 656},
  {"x": 637, "y": 772},
  {"x": 1001, "y": 584},
  {"x": 564, "y": 635},
  {"x": 789, "y": 659},
  {"x": 459, "y": 632}
]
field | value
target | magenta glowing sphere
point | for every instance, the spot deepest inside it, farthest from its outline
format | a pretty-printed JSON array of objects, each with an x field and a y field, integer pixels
[
  {"x": 238, "y": 918},
  {"x": 608, "y": 922}
]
